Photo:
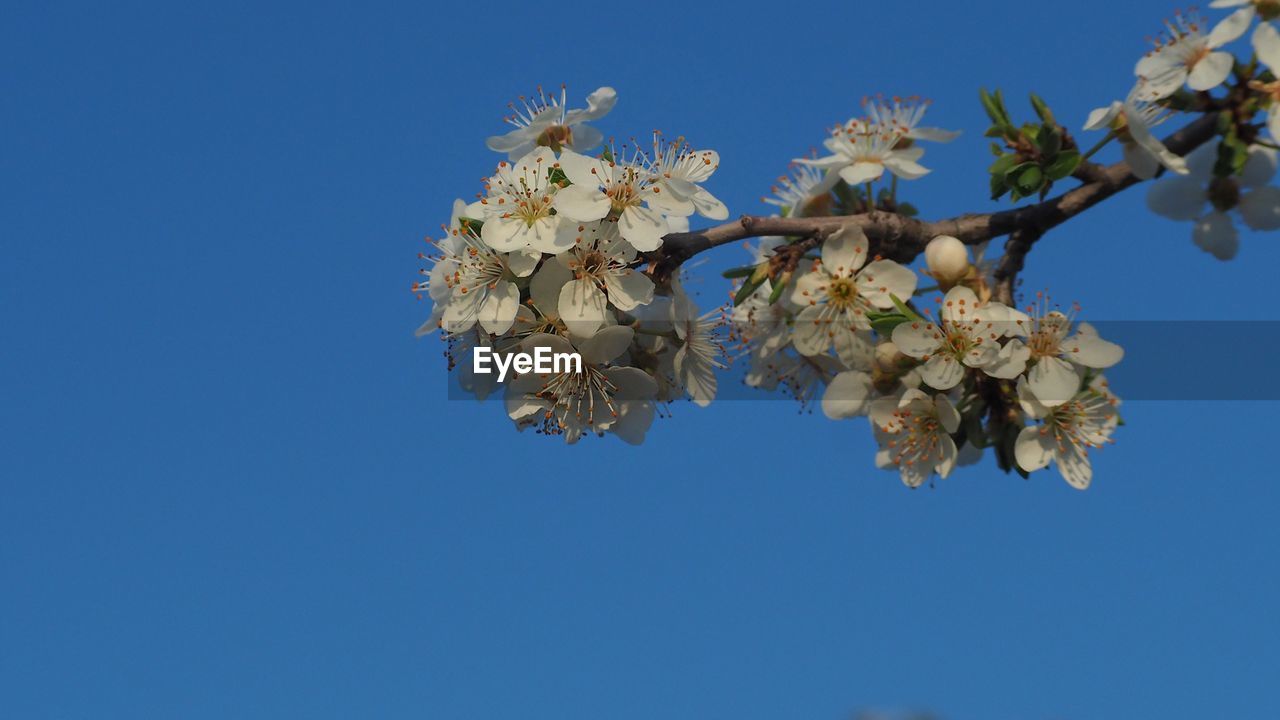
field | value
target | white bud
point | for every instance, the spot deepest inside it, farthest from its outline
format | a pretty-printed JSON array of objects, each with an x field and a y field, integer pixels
[
  {"x": 947, "y": 257},
  {"x": 887, "y": 356}
]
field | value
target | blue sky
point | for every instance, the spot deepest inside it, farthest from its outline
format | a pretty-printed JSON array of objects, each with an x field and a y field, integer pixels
[{"x": 232, "y": 485}]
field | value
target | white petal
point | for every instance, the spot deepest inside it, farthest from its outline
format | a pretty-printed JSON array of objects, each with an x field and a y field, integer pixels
[
  {"x": 1010, "y": 362},
  {"x": 861, "y": 172},
  {"x": 1141, "y": 135},
  {"x": 607, "y": 344},
  {"x": 643, "y": 228},
  {"x": 628, "y": 289},
  {"x": 499, "y": 309},
  {"x": 544, "y": 289},
  {"x": 1075, "y": 468},
  {"x": 580, "y": 169},
  {"x": 1210, "y": 71},
  {"x": 1101, "y": 118},
  {"x": 1260, "y": 208},
  {"x": 904, "y": 167},
  {"x": 1266, "y": 42},
  {"x": 709, "y": 206},
  {"x": 504, "y": 234},
  {"x": 844, "y": 251},
  {"x": 582, "y": 307},
  {"x": 917, "y": 339},
  {"x": 847, "y": 395},
  {"x": 554, "y": 235},
  {"x": 1178, "y": 198},
  {"x": 946, "y": 413},
  {"x": 585, "y": 138},
  {"x": 883, "y": 278},
  {"x": 581, "y": 202},
  {"x": 1259, "y": 167},
  {"x": 599, "y": 103},
  {"x": 809, "y": 334},
  {"x": 522, "y": 263},
  {"x": 1216, "y": 235},
  {"x": 1053, "y": 381},
  {"x": 1232, "y": 27},
  {"x": 1032, "y": 450},
  {"x": 1142, "y": 163},
  {"x": 853, "y": 350},
  {"x": 942, "y": 372},
  {"x": 697, "y": 376},
  {"x": 1087, "y": 349}
]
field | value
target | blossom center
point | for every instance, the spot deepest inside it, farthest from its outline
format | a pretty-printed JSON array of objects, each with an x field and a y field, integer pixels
[{"x": 842, "y": 293}]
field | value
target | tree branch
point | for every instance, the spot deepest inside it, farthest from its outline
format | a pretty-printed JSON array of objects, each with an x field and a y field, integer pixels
[{"x": 902, "y": 238}]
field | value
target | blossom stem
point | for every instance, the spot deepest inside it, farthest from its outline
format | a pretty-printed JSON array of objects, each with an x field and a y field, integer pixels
[
  {"x": 1111, "y": 135},
  {"x": 871, "y": 200}
]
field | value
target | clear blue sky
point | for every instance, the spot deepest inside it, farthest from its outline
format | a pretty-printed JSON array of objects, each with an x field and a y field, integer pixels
[{"x": 231, "y": 485}]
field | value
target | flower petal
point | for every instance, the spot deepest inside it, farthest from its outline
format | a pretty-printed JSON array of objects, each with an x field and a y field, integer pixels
[
  {"x": 580, "y": 202},
  {"x": 1053, "y": 381},
  {"x": 606, "y": 345},
  {"x": 642, "y": 227},
  {"x": 1211, "y": 71},
  {"x": 844, "y": 251},
  {"x": 1216, "y": 235},
  {"x": 582, "y": 307},
  {"x": 1033, "y": 449}
]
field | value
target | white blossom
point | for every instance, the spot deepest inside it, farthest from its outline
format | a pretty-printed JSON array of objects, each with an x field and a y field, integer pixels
[
  {"x": 600, "y": 266},
  {"x": 472, "y": 283},
  {"x": 1132, "y": 121},
  {"x": 914, "y": 433},
  {"x": 1057, "y": 354},
  {"x": 546, "y": 120},
  {"x": 698, "y": 357},
  {"x": 1067, "y": 431},
  {"x": 603, "y": 396},
  {"x": 517, "y": 211},
  {"x": 1208, "y": 201},
  {"x": 1186, "y": 55},
  {"x": 619, "y": 188},
  {"x": 838, "y": 291},
  {"x": 967, "y": 335},
  {"x": 677, "y": 172}
]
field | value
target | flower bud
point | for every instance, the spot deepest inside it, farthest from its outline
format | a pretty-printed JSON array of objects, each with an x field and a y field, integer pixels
[
  {"x": 948, "y": 259},
  {"x": 887, "y": 356}
]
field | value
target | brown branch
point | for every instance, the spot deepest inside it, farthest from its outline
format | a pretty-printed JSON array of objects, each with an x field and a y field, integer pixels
[{"x": 903, "y": 238}]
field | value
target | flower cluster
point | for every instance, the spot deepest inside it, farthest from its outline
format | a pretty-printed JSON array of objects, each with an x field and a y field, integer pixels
[
  {"x": 863, "y": 148},
  {"x": 550, "y": 256},
  {"x": 1230, "y": 177},
  {"x": 937, "y": 390}
]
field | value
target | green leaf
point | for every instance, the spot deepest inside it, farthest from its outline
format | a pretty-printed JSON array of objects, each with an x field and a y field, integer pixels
[
  {"x": 749, "y": 287},
  {"x": 738, "y": 272},
  {"x": 905, "y": 309},
  {"x": 1062, "y": 166},
  {"x": 1042, "y": 109},
  {"x": 1026, "y": 179},
  {"x": 1049, "y": 138},
  {"x": 884, "y": 322},
  {"x": 1003, "y": 164}
]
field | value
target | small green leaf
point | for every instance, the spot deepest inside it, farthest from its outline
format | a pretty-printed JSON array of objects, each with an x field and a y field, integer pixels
[
  {"x": 1042, "y": 109},
  {"x": 749, "y": 287},
  {"x": 1062, "y": 166},
  {"x": 905, "y": 309},
  {"x": 884, "y": 322},
  {"x": 738, "y": 272}
]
